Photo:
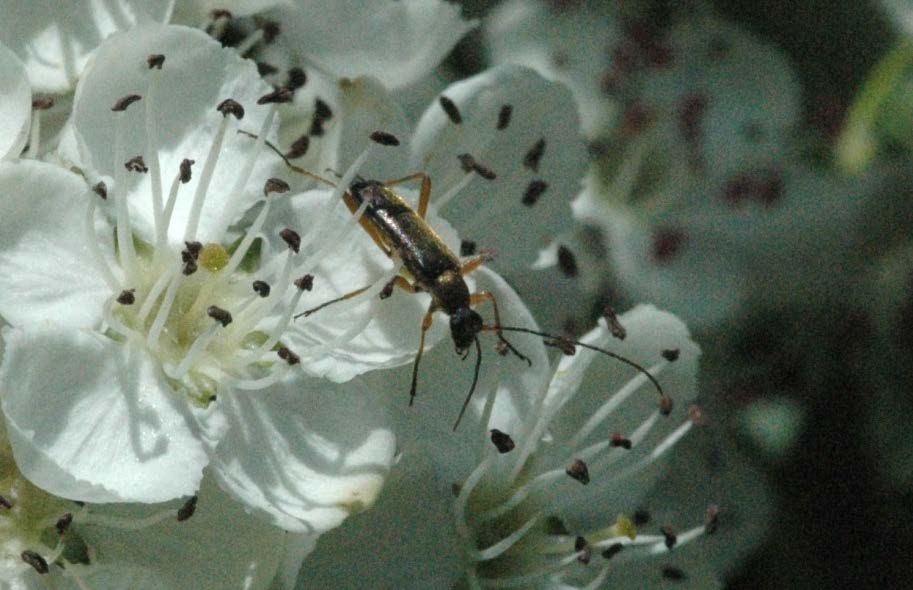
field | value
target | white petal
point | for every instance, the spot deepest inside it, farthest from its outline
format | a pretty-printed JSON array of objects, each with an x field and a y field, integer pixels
[
  {"x": 395, "y": 42},
  {"x": 196, "y": 76},
  {"x": 15, "y": 104},
  {"x": 54, "y": 39},
  {"x": 46, "y": 267},
  {"x": 306, "y": 453},
  {"x": 92, "y": 419},
  {"x": 492, "y": 213},
  {"x": 220, "y": 546}
]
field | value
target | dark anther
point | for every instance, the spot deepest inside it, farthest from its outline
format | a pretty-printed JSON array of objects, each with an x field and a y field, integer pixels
[
  {"x": 563, "y": 344},
  {"x": 305, "y": 283},
  {"x": 230, "y": 106},
  {"x": 618, "y": 441},
  {"x": 296, "y": 78},
  {"x": 298, "y": 148},
  {"x": 316, "y": 129},
  {"x": 189, "y": 507},
  {"x": 566, "y": 262},
  {"x": 220, "y": 13},
  {"x": 127, "y": 297},
  {"x": 322, "y": 110},
  {"x": 641, "y": 517},
  {"x": 190, "y": 267},
  {"x": 275, "y": 185},
  {"x": 262, "y": 288},
  {"x": 4, "y": 503},
  {"x": 484, "y": 171},
  {"x": 455, "y": 489},
  {"x": 288, "y": 356},
  {"x": 186, "y": 163},
  {"x": 615, "y": 327},
  {"x": 278, "y": 96},
  {"x": 671, "y": 354},
  {"x": 35, "y": 560},
  {"x": 101, "y": 189},
  {"x": 194, "y": 249},
  {"x": 469, "y": 164},
  {"x": 502, "y": 441},
  {"x": 136, "y": 164},
  {"x": 291, "y": 237},
  {"x": 534, "y": 190},
  {"x": 270, "y": 28},
  {"x": 125, "y": 101},
  {"x": 453, "y": 113},
  {"x": 555, "y": 526},
  {"x": 42, "y": 103},
  {"x": 670, "y": 572},
  {"x": 534, "y": 155},
  {"x": 670, "y": 537},
  {"x": 63, "y": 523},
  {"x": 582, "y": 547},
  {"x": 665, "y": 405},
  {"x": 712, "y": 522},
  {"x": 223, "y": 316},
  {"x": 265, "y": 69},
  {"x": 666, "y": 243},
  {"x": 504, "y": 116},
  {"x": 384, "y": 138},
  {"x": 578, "y": 470},
  {"x": 612, "y": 550},
  {"x": 387, "y": 291},
  {"x": 155, "y": 61},
  {"x": 467, "y": 248}
]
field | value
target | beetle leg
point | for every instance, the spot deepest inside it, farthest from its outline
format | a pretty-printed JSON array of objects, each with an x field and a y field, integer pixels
[
  {"x": 426, "y": 324},
  {"x": 401, "y": 282},
  {"x": 481, "y": 297},
  {"x": 424, "y": 195}
]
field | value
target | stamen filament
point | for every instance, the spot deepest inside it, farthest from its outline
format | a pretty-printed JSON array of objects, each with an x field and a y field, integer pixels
[
  {"x": 124, "y": 230},
  {"x": 199, "y": 196},
  {"x": 123, "y": 523},
  {"x": 152, "y": 158},
  {"x": 95, "y": 250},
  {"x": 499, "y": 548},
  {"x": 250, "y": 42},
  {"x": 196, "y": 349},
  {"x": 154, "y": 293},
  {"x": 34, "y": 134},
  {"x": 158, "y": 324},
  {"x": 452, "y": 191}
]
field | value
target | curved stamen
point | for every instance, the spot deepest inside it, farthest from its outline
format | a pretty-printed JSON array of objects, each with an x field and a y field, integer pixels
[
  {"x": 152, "y": 157},
  {"x": 196, "y": 349},
  {"x": 164, "y": 310},
  {"x": 124, "y": 229},
  {"x": 153, "y": 294},
  {"x": 462, "y": 500},
  {"x": 499, "y": 548},
  {"x": 95, "y": 250}
]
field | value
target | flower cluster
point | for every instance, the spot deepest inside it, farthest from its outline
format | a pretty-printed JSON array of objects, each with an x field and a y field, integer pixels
[{"x": 229, "y": 246}]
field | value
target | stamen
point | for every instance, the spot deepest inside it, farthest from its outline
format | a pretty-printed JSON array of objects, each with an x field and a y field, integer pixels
[
  {"x": 126, "y": 297},
  {"x": 123, "y": 523},
  {"x": 452, "y": 191},
  {"x": 499, "y": 548},
  {"x": 152, "y": 148},
  {"x": 615, "y": 327},
  {"x": 38, "y": 105},
  {"x": 196, "y": 349},
  {"x": 578, "y": 470},
  {"x": 38, "y": 563},
  {"x": 164, "y": 309},
  {"x": 502, "y": 441},
  {"x": 504, "y": 116},
  {"x": 453, "y": 113},
  {"x": 153, "y": 294},
  {"x": 125, "y": 244},
  {"x": 534, "y": 155},
  {"x": 534, "y": 190},
  {"x": 459, "y": 505},
  {"x": 250, "y": 42},
  {"x": 187, "y": 510},
  {"x": 95, "y": 249}
]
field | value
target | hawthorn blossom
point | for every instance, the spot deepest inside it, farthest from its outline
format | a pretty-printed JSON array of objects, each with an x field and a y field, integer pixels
[
  {"x": 148, "y": 328},
  {"x": 15, "y": 105}
]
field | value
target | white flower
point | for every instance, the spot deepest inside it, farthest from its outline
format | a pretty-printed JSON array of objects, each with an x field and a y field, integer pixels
[
  {"x": 149, "y": 342},
  {"x": 558, "y": 500},
  {"x": 15, "y": 105}
]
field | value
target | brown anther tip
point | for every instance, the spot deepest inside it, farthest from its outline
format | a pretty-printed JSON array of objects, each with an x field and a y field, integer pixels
[
  {"x": 288, "y": 356},
  {"x": 712, "y": 521},
  {"x": 567, "y": 263},
  {"x": 230, "y": 106},
  {"x": 484, "y": 171},
  {"x": 277, "y": 96},
  {"x": 299, "y": 147},
  {"x": 223, "y": 316},
  {"x": 450, "y": 108},
  {"x": 534, "y": 155},
  {"x": 63, "y": 523},
  {"x": 582, "y": 547},
  {"x": 42, "y": 103},
  {"x": 504, "y": 116},
  {"x": 387, "y": 291},
  {"x": 579, "y": 471},
  {"x": 125, "y": 101},
  {"x": 670, "y": 572},
  {"x": 35, "y": 560},
  {"x": 618, "y": 441},
  {"x": 565, "y": 345},
  {"x": 275, "y": 185},
  {"x": 502, "y": 441},
  {"x": 190, "y": 267},
  {"x": 612, "y": 550},
  {"x": 262, "y": 288},
  {"x": 671, "y": 354},
  {"x": 265, "y": 69},
  {"x": 615, "y": 327},
  {"x": 184, "y": 168},
  {"x": 136, "y": 164},
  {"x": 127, "y": 297},
  {"x": 534, "y": 191},
  {"x": 467, "y": 162},
  {"x": 101, "y": 189},
  {"x": 467, "y": 248},
  {"x": 305, "y": 283},
  {"x": 384, "y": 138},
  {"x": 297, "y": 78},
  {"x": 640, "y": 517},
  {"x": 155, "y": 61},
  {"x": 218, "y": 13},
  {"x": 665, "y": 405},
  {"x": 4, "y": 503},
  {"x": 455, "y": 489},
  {"x": 670, "y": 537},
  {"x": 322, "y": 110},
  {"x": 291, "y": 238},
  {"x": 194, "y": 249},
  {"x": 697, "y": 416},
  {"x": 189, "y": 507}
]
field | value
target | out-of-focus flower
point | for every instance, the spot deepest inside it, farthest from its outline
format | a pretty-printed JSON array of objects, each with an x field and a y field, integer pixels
[
  {"x": 15, "y": 105},
  {"x": 149, "y": 342}
]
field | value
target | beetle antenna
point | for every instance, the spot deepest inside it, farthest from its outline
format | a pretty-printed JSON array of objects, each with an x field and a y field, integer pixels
[
  {"x": 285, "y": 159},
  {"x": 472, "y": 388},
  {"x": 567, "y": 345}
]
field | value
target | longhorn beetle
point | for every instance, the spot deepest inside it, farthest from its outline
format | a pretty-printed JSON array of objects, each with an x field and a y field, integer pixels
[{"x": 430, "y": 266}]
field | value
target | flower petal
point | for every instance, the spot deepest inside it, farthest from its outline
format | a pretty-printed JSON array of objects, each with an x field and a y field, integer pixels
[
  {"x": 197, "y": 75},
  {"x": 54, "y": 39},
  {"x": 46, "y": 266},
  {"x": 15, "y": 104},
  {"x": 92, "y": 419},
  {"x": 539, "y": 159},
  {"x": 396, "y": 42},
  {"x": 305, "y": 453}
]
